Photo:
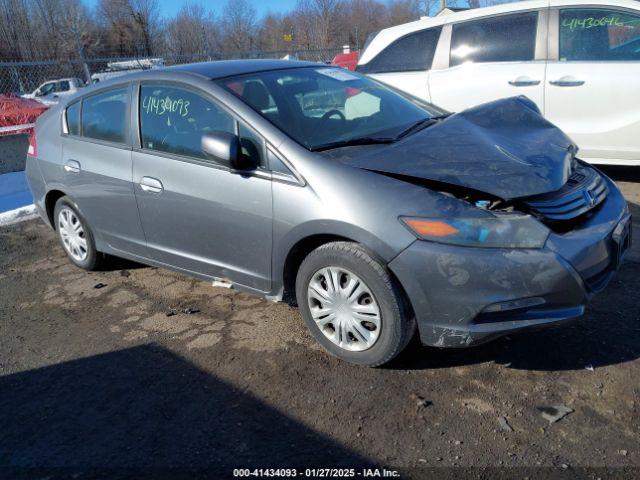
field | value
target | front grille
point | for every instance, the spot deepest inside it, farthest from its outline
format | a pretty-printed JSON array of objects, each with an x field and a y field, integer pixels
[{"x": 584, "y": 190}]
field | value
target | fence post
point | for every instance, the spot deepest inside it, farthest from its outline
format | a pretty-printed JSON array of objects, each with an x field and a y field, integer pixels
[
  {"x": 17, "y": 79},
  {"x": 87, "y": 72}
]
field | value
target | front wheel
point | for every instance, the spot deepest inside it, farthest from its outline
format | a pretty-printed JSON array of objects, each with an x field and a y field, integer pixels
[{"x": 352, "y": 305}]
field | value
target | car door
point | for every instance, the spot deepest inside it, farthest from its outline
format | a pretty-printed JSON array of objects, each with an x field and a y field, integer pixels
[
  {"x": 45, "y": 91},
  {"x": 63, "y": 88},
  {"x": 198, "y": 215},
  {"x": 404, "y": 63},
  {"x": 490, "y": 58},
  {"x": 593, "y": 81},
  {"x": 97, "y": 168}
]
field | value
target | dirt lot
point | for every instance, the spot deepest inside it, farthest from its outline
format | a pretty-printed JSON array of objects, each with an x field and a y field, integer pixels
[{"x": 101, "y": 382}]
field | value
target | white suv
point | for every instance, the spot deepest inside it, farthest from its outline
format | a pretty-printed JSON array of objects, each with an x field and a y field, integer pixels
[{"x": 579, "y": 61}]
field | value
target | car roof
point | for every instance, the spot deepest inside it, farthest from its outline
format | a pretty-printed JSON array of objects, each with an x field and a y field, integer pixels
[
  {"x": 388, "y": 35},
  {"x": 209, "y": 70},
  {"x": 60, "y": 79},
  {"x": 228, "y": 68}
]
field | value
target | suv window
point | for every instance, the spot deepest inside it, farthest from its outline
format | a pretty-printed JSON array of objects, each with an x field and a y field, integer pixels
[
  {"x": 104, "y": 115},
  {"x": 173, "y": 120},
  {"x": 600, "y": 35},
  {"x": 73, "y": 119},
  {"x": 413, "y": 52},
  {"x": 507, "y": 38}
]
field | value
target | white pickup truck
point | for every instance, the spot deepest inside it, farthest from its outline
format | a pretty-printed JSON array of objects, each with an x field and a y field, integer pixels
[{"x": 49, "y": 92}]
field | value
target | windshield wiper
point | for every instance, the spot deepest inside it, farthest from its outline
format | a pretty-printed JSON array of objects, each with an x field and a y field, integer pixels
[
  {"x": 419, "y": 125},
  {"x": 352, "y": 142}
]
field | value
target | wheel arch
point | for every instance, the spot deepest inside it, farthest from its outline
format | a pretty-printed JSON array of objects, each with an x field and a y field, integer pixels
[
  {"x": 296, "y": 256},
  {"x": 50, "y": 200},
  {"x": 295, "y": 246}
]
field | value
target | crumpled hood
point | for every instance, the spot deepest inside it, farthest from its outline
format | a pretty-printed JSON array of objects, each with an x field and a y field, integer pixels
[{"x": 504, "y": 148}]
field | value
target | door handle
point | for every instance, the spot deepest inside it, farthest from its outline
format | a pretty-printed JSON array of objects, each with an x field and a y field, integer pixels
[
  {"x": 568, "y": 81},
  {"x": 523, "y": 82},
  {"x": 151, "y": 185},
  {"x": 72, "y": 166}
]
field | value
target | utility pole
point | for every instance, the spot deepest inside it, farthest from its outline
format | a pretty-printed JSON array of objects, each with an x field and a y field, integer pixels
[{"x": 83, "y": 62}]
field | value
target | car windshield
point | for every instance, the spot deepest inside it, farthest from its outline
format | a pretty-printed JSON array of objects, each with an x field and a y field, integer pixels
[{"x": 323, "y": 107}]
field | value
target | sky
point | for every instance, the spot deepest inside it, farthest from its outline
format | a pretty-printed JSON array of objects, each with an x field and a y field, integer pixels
[{"x": 169, "y": 8}]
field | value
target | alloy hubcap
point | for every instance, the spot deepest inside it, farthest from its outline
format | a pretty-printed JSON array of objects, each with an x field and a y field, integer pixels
[
  {"x": 72, "y": 234},
  {"x": 344, "y": 308}
]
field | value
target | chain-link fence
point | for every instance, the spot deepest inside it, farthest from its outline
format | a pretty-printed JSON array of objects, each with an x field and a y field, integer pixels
[{"x": 26, "y": 77}]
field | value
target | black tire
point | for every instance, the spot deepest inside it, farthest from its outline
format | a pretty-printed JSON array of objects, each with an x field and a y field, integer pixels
[
  {"x": 93, "y": 258},
  {"x": 398, "y": 325}
]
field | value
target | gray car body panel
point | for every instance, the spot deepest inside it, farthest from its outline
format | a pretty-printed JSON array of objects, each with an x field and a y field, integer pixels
[
  {"x": 211, "y": 222},
  {"x": 555, "y": 273}
]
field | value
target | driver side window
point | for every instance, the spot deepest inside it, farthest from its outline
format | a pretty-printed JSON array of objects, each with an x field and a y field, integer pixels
[
  {"x": 173, "y": 120},
  {"x": 47, "y": 88}
]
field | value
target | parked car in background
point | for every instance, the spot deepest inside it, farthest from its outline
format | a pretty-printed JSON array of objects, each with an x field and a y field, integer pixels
[
  {"x": 123, "y": 67},
  {"x": 50, "y": 92},
  {"x": 380, "y": 214},
  {"x": 579, "y": 61}
]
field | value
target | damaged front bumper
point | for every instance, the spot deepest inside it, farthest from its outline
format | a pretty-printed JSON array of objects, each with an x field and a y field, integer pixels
[{"x": 463, "y": 296}]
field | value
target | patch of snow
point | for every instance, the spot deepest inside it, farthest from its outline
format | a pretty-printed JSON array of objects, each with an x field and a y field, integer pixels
[{"x": 18, "y": 215}]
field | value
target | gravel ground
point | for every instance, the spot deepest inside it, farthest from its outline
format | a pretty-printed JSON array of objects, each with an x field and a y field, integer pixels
[{"x": 136, "y": 370}]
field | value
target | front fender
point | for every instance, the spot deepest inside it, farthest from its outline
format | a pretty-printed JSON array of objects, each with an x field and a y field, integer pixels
[{"x": 386, "y": 250}]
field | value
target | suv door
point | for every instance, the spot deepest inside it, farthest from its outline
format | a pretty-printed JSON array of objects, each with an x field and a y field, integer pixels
[
  {"x": 198, "y": 215},
  {"x": 46, "y": 89},
  {"x": 490, "y": 58},
  {"x": 97, "y": 167},
  {"x": 593, "y": 81},
  {"x": 404, "y": 63}
]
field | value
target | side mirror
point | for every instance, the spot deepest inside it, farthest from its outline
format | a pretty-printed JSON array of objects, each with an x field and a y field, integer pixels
[{"x": 223, "y": 147}]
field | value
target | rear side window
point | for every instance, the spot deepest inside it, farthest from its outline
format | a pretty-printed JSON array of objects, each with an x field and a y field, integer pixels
[
  {"x": 73, "y": 119},
  {"x": 173, "y": 120},
  {"x": 104, "y": 116},
  {"x": 413, "y": 52},
  {"x": 599, "y": 35},
  {"x": 507, "y": 38}
]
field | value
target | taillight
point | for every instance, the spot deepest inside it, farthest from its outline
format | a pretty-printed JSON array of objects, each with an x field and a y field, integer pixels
[{"x": 33, "y": 147}]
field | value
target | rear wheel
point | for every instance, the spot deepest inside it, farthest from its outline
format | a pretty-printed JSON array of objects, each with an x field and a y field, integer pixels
[
  {"x": 352, "y": 305},
  {"x": 75, "y": 235}
]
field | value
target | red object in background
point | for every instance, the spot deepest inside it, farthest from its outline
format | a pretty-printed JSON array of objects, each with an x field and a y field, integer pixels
[
  {"x": 346, "y": 60},
  {"x": 17, "y": 114},
  {"x": 33, "y": 145}
]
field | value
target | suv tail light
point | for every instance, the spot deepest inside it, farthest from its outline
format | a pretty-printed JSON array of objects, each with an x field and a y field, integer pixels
[{"x": 33, "y": 146}]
